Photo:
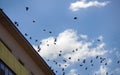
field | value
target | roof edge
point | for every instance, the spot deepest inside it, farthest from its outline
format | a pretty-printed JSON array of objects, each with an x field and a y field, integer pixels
[{"x": 17, "y": 35}]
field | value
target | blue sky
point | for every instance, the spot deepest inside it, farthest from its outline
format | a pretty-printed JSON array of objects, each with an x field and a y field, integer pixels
[{"x": 96, "y": 19}]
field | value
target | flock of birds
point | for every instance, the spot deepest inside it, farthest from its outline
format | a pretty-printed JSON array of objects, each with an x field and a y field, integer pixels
[{"x": 81, "y": 63}]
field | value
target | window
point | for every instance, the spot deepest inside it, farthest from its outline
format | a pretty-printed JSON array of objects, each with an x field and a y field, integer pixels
[{"x": 5, "y": 70}]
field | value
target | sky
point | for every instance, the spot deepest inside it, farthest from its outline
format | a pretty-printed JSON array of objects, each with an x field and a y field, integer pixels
[{"x": 74, "y": 37}]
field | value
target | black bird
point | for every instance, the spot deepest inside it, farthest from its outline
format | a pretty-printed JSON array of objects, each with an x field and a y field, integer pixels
[
  {"x": 50, "y": 32},
  {"x": 39, "y": 49},
  {"x": 36, "y": 40},
  {"x": 27, "y": 8},
  {"x": 54, "y": 43},
  {"x": 59, "y": 65},
  {"x": 63, "y": 69},
  {"x": 33, "y": 21},
  {"x": 56, "y": 71},
  {"x": 55, "y": 40},
  {"x": 81, "y": 65},
  {"x": 64, "y": 60},
  {"x": 105, "y": 63},
  {"x": 118, "y": 61},
  {"x": 78, "y": 59},
  {"x": 48, "y": 60},
  {"x": 106, "y": 73},
  {"x": 84, "y": 61},
  {"x": 96, "y": 57},
  {"x": 60, "y": 51},
  {"x": 73, "y": 51},
  {"x": 91, "y": 64},
  {"x": 69, "y": 58},
  {"x": 65, "y": 65},
  {"x": 98, "y": 39},
  {"x": 30, "y": 37},
  {"x": 56, "y": 63},
  {"x": 59, "y": 54},
  {"x": 26, "y": 34},
  {"x": 75, "y": 18},
  {"x": 16, "y": 23},
  {"x": 44, "y": 29},
  {"x": 63, "y": 73},
  {"x": 86, "y": 68},
  {"x": 91, "y": 61},
  {"x": 47, "y": 44},
  {"x": 76, "y": 49}
]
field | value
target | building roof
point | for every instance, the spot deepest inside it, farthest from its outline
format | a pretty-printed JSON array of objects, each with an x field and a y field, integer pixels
[{"x": 10, "y": 27}]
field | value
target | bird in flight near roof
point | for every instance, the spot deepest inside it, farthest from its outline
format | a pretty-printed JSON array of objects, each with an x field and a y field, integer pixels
[{"x": 27, "y": 8}]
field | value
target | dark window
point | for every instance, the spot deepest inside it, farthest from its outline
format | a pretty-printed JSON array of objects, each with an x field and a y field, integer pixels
[{"x": 5, "y": 70}]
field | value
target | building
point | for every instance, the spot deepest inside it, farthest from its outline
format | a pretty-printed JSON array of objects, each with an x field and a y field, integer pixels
[{"x": 17, "y": 56}]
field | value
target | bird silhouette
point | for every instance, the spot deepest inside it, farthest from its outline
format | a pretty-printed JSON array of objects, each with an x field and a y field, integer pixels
[
  {"x": 86, "y": 68},
  {"x": 84, "y": 61},
  {"x": 33, "y": 21},
  {"x": 36, "y": 40},
  {"x": 105, "y": 63},
  {"x": 39, "y": 48},
  {"x": 96, "y": 57},
  {"x": 118, "y": 61},
  {"x": 50, "y": 32},
  {"x": 91, "y": 61},
  {"x": 16, "y": 23},
  {"x": 44, "y": 29},
  {"x": 69, "y": 58},
  {"x": 64, "y": 60},
  {"x": 26, "y": 34},
  {"x": 98, "y": 39},
  {"x": 27, "y": 8},
  {"x": 81, "y": 65},
  {"x": 30, "y": 38},
  {"x": 75, "y": 18},
  {"x": 60, "y": 54}
]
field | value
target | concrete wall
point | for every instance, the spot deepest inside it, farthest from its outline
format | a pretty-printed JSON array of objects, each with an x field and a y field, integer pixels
[
  {"x": 11, "y": 61},
  {"x": 19, "y": 52}
]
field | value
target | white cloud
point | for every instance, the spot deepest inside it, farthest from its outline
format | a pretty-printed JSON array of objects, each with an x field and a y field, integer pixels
[
  {"x": 102, "y": 71},
  {"x": 83, "y": 36},
  {"x": 67, "y": 42},
  {"x": 72, "y": 72},
  {"x": 82, "y": 4}
]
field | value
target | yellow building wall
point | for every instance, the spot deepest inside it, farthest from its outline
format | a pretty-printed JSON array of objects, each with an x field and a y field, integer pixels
[{"x": 7, "y": 57}]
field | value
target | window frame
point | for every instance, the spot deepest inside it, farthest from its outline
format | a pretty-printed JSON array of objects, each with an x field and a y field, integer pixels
[{"x": 6, "y": 70}]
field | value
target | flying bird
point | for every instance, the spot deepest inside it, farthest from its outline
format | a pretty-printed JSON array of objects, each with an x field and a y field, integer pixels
[
  {"x": 98, "y": 39},
  {"x": 39, "y": 48},
  {"x": 16, "y": 23},
  {"x": 86, "y": 68},
  {"x": 69, "y": 58},
  {"x": 96, "y": 57},
  {"x": 30, "y": 37},
  {"x": 84, "y": 61},
  {"x": 36, "y": 40},
  {"x": 33, "y": 21},
  {"x": 59, "y": 54},
  {"x": 50, "y": 32},
  {"x": 81, "y": 65},
  {"x": 118, "y": 61},
  {"x": 26, "y": 34},
  {"x": 75, "y": 18},
  {"x": 27, "y": 8},
  {"x": 44, "y": 29}
]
